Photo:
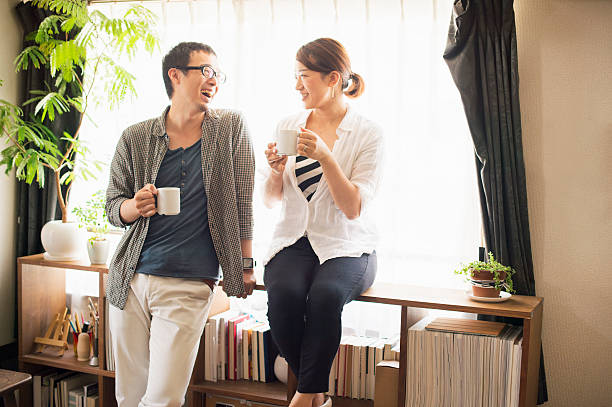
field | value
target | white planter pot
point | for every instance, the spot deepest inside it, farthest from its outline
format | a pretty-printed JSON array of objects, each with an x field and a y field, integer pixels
[
  {"x": 97, "y": 251},
  {"x": 62, "y": 241}
]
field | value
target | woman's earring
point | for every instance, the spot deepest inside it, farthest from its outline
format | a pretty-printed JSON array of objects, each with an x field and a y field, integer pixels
[{"x": 333, "y": 92}]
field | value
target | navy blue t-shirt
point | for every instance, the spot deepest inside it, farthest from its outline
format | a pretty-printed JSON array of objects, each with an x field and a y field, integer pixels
[{"x": 181, "y": 245}]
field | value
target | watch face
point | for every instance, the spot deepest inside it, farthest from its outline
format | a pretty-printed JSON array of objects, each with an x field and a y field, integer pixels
[{"x": 248, "y": 263}]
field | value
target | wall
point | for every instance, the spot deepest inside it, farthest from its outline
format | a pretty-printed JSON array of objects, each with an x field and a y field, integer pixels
[
  {"x": 565, "y": 68},
  {"x": 9, "y": 48}
]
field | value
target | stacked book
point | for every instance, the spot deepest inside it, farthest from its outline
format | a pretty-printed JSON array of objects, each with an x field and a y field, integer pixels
[
  {"x": 64, "y": 389},
  {"x": 463, "y": 362},
  {"x": 238, "y": 347},
  {"x": 354, "y": 367}
]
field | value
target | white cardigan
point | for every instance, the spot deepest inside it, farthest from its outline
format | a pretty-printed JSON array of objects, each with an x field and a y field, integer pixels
[{"x": 359, "y": 153}]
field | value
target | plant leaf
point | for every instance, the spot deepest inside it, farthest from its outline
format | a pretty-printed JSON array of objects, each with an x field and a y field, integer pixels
[
  {"x": 50, "y": 103},
  {"x": 31, "y": 54},
  {"x": 48, "y": 28}
]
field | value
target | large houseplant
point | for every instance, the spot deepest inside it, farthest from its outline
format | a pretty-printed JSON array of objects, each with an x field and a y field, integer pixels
[{"x": 81, "y": 50}]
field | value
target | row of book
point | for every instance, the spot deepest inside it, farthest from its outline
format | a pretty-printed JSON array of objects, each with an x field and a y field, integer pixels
[
  {"x": 459, "y": 362},
  {"x": 354, "y": 367},
  {"x": 238, "y": 347},
  {"x": 64, "y": 389}
]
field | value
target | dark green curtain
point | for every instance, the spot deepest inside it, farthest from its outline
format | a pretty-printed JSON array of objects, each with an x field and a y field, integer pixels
[
  {"x": 36, "y": 206},
  {"x": 481, "y": 54}
]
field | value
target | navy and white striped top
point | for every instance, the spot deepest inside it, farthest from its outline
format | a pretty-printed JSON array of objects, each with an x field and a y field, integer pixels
[{"x": 308, "y": 173}]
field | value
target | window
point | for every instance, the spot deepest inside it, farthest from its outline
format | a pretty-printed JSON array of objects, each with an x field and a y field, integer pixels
[{"x": 428, "y": 209}]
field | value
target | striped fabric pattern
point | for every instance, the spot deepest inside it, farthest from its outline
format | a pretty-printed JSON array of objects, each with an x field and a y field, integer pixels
[{"x": 308, "y": 173}]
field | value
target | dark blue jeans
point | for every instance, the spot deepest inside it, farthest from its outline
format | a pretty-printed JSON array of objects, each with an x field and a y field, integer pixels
[{"x": 305, "y": 302}]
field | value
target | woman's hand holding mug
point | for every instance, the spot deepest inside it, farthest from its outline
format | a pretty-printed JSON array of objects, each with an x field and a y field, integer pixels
[
  {"x": 312, "y": 146},
  {"x": 275, "y": 161}
]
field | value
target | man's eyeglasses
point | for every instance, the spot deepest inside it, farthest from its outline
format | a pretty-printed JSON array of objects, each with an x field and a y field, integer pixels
[{"x": 207, "y": 71}]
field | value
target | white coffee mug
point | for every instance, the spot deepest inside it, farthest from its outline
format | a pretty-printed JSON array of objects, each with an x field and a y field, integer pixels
[
  {"x": 286, "y": 141},
  {"x": 168, "y": 201}
]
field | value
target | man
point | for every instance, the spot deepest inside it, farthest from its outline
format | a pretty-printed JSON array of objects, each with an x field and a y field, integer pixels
[{"x": 165, "y": 268}]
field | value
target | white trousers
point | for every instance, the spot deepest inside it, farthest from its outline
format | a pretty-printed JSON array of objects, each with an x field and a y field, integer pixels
[{"x": 156, "y": 338}]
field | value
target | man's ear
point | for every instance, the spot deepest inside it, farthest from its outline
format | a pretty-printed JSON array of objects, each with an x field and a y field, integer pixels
[{"x": 174, "y": 75}]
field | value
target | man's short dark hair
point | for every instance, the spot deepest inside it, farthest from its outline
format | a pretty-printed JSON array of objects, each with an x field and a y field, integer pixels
[{"x": 179, "y": 56}]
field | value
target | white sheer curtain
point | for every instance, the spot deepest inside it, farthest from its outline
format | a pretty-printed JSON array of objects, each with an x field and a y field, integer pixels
[{"x": 428, "y": 202}]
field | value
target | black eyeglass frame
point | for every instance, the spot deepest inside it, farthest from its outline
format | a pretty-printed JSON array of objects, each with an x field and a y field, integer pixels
[{"x": 221, "y": 77}]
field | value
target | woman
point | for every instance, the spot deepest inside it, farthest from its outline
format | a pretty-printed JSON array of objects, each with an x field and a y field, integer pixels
[{"x": 322, "y": 254}]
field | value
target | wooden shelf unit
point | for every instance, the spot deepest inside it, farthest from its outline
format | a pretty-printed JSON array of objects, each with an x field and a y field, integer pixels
[{"x": 41, "y": 294}]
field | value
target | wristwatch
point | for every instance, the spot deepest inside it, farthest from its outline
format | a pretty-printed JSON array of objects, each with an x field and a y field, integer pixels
[{"x": 248, "y": 263}]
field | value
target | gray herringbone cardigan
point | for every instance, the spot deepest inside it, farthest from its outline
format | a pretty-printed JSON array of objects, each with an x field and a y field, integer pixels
[{"x": 228, "y": 168}]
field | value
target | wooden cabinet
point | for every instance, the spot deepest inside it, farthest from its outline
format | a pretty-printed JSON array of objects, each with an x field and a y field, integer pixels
[{"x": 41, "y": 294}]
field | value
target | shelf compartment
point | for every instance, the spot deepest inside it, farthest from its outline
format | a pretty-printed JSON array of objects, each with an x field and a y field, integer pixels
[{"x": 68, "y": 362}]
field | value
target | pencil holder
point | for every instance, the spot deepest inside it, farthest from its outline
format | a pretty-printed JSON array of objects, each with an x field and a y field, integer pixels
[
  {"x": 83, "y": 347},
  {"x": 75, "y": 338}
]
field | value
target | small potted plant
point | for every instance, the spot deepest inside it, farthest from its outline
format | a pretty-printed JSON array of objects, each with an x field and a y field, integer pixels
[
  {"x": 92, "y": 216},
  {"x": 487, "y": 278}
]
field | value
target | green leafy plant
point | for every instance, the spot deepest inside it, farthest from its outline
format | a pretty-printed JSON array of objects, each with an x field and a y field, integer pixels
[
  {"x": 81, "y": 50},
  {"x": 92, "y": 216},
  {"x": 492, "y": 266}
]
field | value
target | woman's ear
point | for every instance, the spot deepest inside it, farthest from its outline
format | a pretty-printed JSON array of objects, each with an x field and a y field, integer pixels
[{"x": 334, "y": 78}]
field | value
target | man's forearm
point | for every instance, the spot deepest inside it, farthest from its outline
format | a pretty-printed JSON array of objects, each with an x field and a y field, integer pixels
[
  {"x": 248, "y": 275},
  {"x": 247, "y": 247},
  {"x": 128, "y": 211}
]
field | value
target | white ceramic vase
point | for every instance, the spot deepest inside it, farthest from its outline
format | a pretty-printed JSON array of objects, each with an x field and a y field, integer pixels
[
  {"x": 97, "y": 251},
  {"x": 62, "y": 241}
]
